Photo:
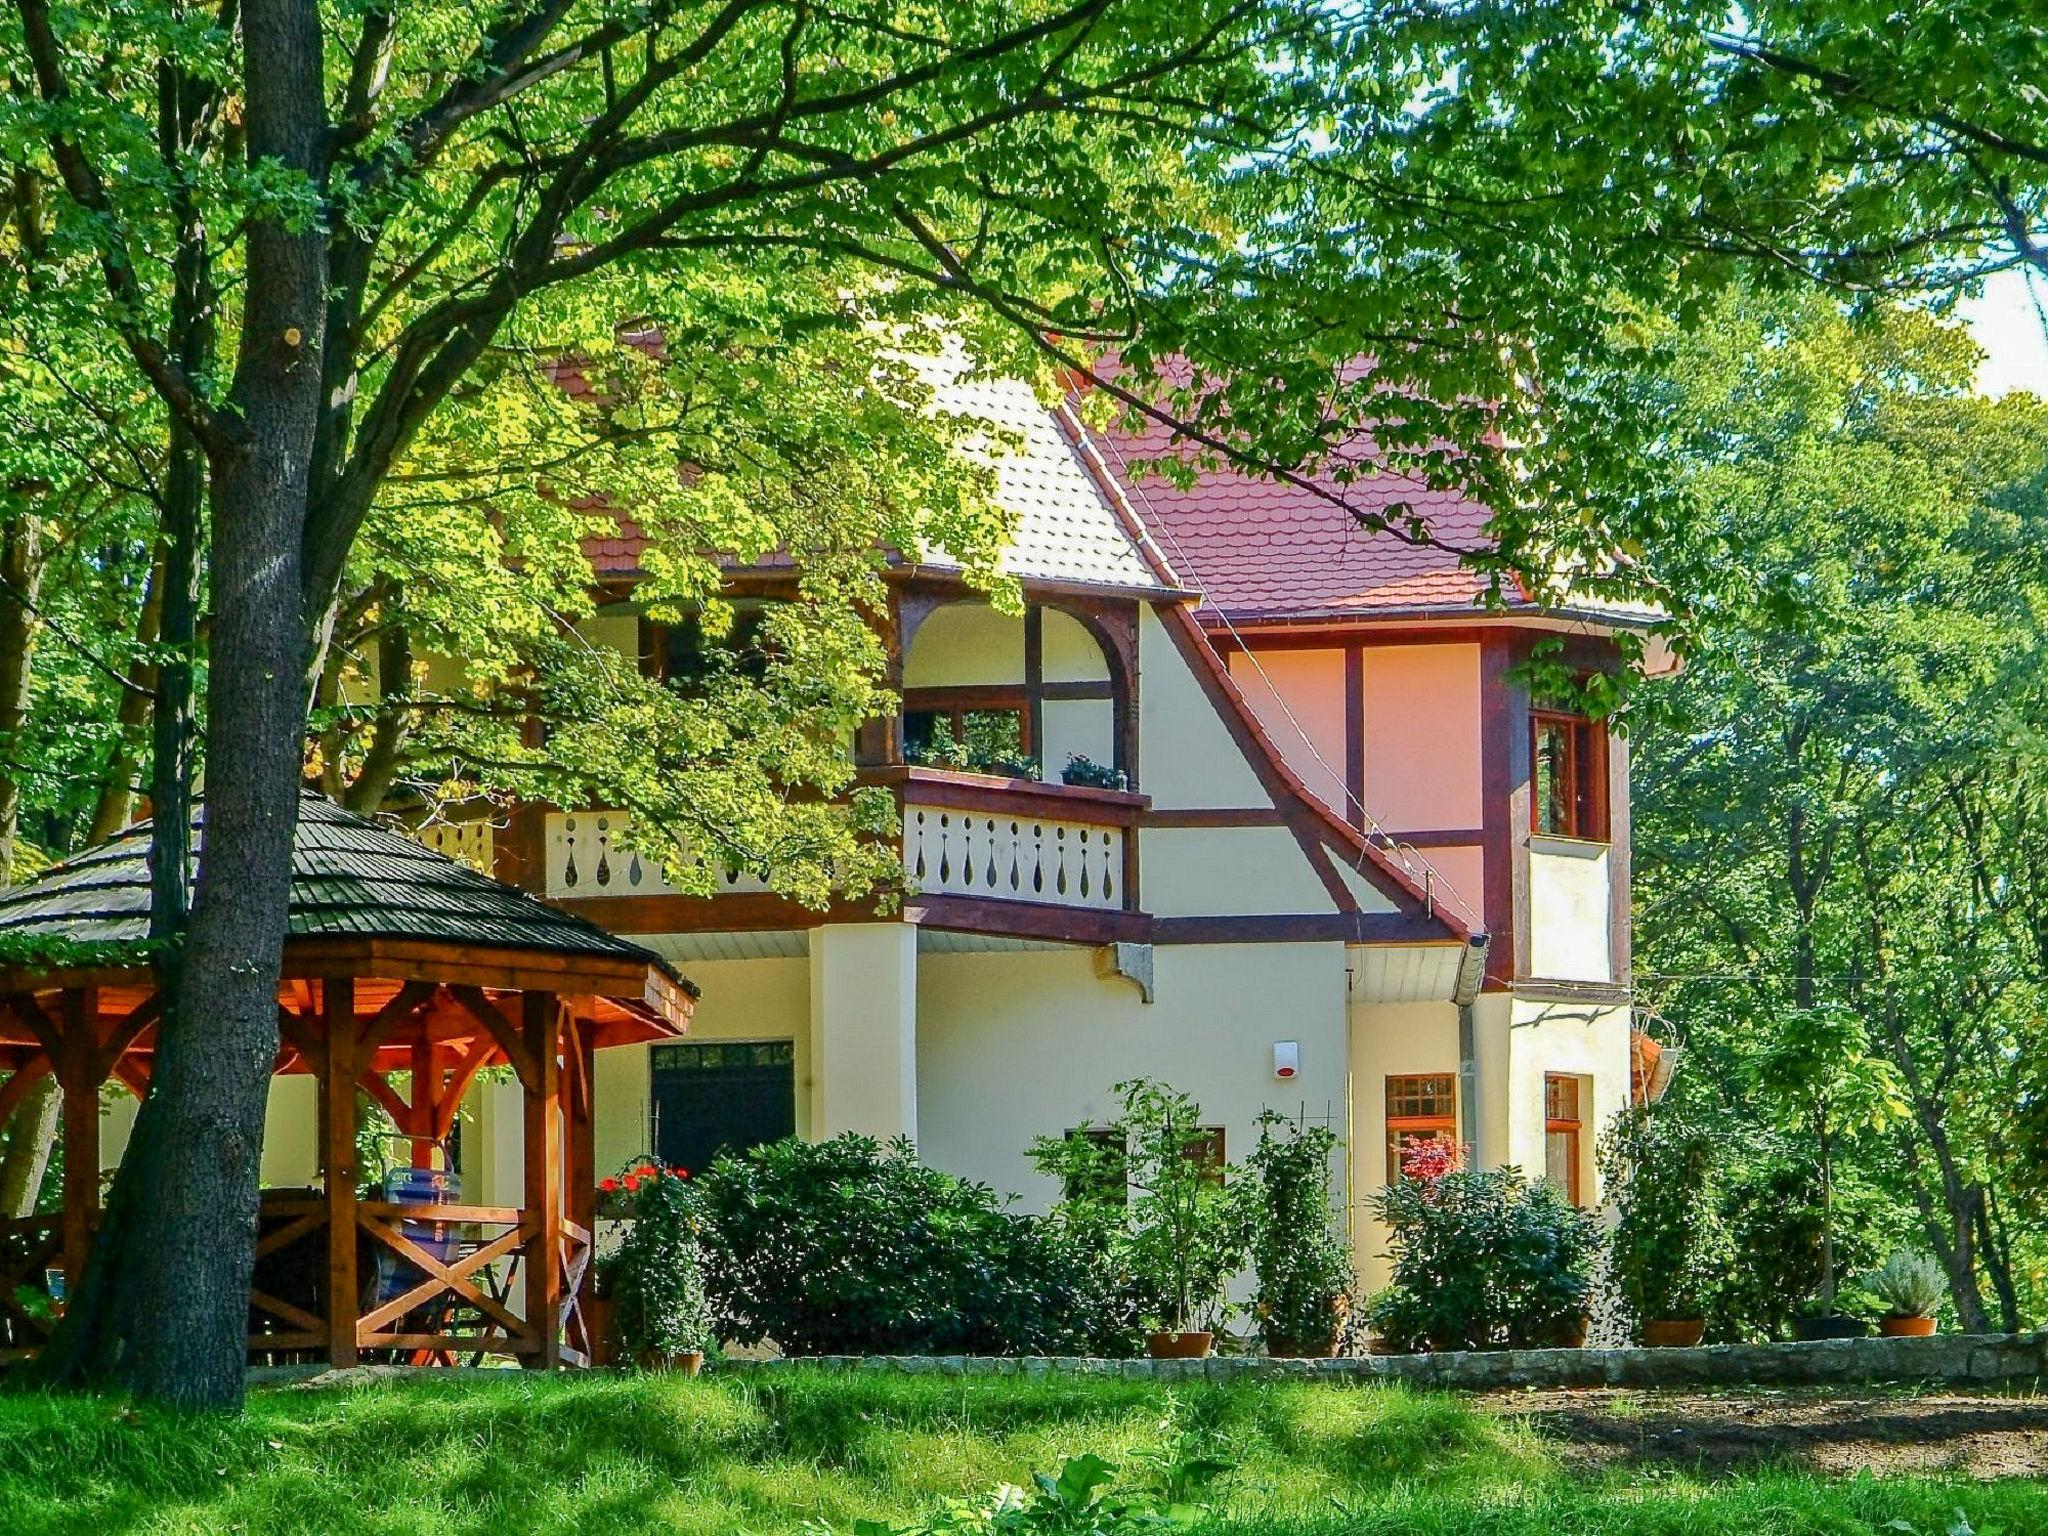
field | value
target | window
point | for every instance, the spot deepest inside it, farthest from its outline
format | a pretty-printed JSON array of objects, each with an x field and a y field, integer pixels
[
  {"x": 692, "y": 662},
  {"x": 1419, "y": 1108},
  {"x": 1568, "y": 772},
  {"x": 983, "y": 730},
  {"x": 1563, "y": 1127}
]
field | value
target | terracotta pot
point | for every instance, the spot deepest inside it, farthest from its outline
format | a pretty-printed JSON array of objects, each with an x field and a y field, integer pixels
[
  {"x": 1906, "y": 1327},
  {"x": 1673, "y": 1332},
  {"x": 1191, "y": 1345},
  {"x": 684, "y": 1362},
  {"x": 1839, "y": 1325}
]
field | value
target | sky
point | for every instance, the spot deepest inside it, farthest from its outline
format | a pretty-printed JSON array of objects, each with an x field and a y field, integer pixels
[{"x": 2010, "y": 322}]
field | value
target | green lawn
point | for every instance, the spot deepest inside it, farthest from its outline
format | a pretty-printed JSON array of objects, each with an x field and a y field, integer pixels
[{"x": 597, "y": 1454}]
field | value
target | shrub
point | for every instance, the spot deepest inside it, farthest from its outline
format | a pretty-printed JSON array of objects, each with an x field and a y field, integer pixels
[
  {"x": 848, "y": 1246},
  {"x": 1670, "y": 1251},
  {"x": 656, "y": 1278},
  {"x": 1170, "y": 1222},
  {"x": 1484, "y": 1261},
  {"x": 1303, "y": 1268}
]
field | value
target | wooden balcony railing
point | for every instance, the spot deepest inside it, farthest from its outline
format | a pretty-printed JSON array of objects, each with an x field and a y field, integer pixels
[
  {"x": 963, "y": 834},
  {"x": 586, "y": 857}
]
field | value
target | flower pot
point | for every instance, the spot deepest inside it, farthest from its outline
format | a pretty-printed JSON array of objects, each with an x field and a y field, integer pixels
[
  {"x": 1673, "y": 1332},
  {"x": 1190, "y": 1345},
  {"x": 684, "y": 1362},
  {"x": 1837, "y": 1325},
  {"x": 1906, "y": 1327}
]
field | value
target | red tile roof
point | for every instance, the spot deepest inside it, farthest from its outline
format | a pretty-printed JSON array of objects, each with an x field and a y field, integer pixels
[{"x": 1263, "y": 550}]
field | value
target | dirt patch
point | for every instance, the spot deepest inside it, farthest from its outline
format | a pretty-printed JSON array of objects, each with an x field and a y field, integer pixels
[{"x": 1967, "y": 1434}]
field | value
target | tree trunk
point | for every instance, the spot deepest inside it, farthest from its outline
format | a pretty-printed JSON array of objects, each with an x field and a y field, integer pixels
[
  {"x": 33, "y": 1130},
  {"x": 116, "y": 804},
  {"x": 31, "y": 1138},
  {"x": 176, "y": 1262},
  {"x": 21, "y": 575}
]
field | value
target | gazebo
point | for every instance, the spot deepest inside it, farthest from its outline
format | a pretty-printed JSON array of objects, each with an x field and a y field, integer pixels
[{"x": 406, "y": 973}]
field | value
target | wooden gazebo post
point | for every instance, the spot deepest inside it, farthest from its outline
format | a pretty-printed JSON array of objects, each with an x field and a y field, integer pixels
[
  {"x": 543, "y": 1169},
  {"x": 338, "y": 1168}
]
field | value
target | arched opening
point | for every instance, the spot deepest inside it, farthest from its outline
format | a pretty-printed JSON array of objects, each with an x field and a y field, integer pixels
[{"x": 1037, "y": 695}]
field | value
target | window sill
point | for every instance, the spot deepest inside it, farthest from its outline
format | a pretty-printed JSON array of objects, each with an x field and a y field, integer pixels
[{"x": 1570, "y": 847}]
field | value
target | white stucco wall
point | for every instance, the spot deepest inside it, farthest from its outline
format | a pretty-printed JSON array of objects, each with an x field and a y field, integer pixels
[
  {"x": 1020, "y": 1044},
  {"x": 965, "y": 643},
  {"x": 1226, "y": 872},
  {"x": 1070, "y": 654},
  {"x": 1188, "y": 759},
  {"x": 1568, "y": 910}
]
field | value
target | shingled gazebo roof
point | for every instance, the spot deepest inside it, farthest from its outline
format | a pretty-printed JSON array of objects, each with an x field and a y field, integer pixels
[{"x": 355, "y": 885}]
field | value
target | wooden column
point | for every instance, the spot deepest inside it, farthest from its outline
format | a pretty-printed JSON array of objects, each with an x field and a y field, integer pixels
[
  {"x": 338, "y": 1166},
  {"x": 579, "y": 1101},
  {"x": 76, "y": 1062},
  {"x": 542, "y": 1101}
]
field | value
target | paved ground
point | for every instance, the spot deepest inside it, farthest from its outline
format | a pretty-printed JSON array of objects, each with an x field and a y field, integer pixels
[{"x": 1988, "y": 1435}]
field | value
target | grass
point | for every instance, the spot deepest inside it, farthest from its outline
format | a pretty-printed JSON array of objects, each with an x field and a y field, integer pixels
[{"x": 599, "y": 1454}]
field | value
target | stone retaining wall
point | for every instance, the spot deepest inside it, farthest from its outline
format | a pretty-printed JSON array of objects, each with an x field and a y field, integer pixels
[{"x": 1961, "y": 1359}]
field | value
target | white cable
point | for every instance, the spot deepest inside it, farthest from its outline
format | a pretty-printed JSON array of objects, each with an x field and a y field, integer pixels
[{"x": 1419, "y": 869}]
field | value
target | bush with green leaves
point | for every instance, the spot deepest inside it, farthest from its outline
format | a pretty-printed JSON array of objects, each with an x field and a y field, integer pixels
[
  {"x": 1670, "y": 1250},
  {"x": 851, "y": 1246},
  {"x": 1302, "y": 1265},
  {"x": 656, "y": 1277},
  {"x": 1484, "y": 1261},
  {"x": 1171, "y": 1223}
]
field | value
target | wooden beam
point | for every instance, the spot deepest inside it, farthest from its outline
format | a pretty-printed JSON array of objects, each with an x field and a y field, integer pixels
[
  {"x": 511, "y": 1040},
  {"x": 542, "y": 1102},
  {"x": 338, "y": 1167}
]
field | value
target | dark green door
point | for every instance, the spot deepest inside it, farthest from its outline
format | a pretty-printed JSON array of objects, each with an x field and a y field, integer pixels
[{"x": 715, "y": 1098}]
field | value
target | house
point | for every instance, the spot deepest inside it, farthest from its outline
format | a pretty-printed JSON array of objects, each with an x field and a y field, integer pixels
[{"x": 1353, "y": 874}]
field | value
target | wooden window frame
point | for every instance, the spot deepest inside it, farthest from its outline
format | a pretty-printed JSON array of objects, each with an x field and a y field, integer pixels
[
  {"x": 955, "y": 704},
  {"x": 1575, "y": 1128},
  {"x": 1441, "y": 1127},
  {"x": 1583, "y": 775}
]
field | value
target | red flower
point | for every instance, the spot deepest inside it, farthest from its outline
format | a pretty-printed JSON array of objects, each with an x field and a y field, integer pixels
[
  {"x": 681, "y": 1173},
  {"x": 608, "y": 1186},
  {"x": 633, "y": 1179}
]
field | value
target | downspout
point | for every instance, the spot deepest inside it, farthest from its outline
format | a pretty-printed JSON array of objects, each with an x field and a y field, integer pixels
[{"x": 1471, "y": 974}]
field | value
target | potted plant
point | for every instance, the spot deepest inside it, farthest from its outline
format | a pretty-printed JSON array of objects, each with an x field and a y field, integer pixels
[
  {"x": 1818, "y": 1072},
  {"x": 1911, "y": 1286},
  {"x": 659, "y": 1315},
  {"x": 1183, "y": 1227},
  {"x": 1669, "y": 1248},
  {"x": 1085, "y": 771},
  {"x": 1303, "y": 1268}
]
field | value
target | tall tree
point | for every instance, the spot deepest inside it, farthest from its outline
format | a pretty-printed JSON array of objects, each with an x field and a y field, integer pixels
[{"x": 1836, "y": 797}]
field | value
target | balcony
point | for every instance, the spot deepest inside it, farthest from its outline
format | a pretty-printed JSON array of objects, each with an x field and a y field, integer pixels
[{"x": 965, "y": 838}]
